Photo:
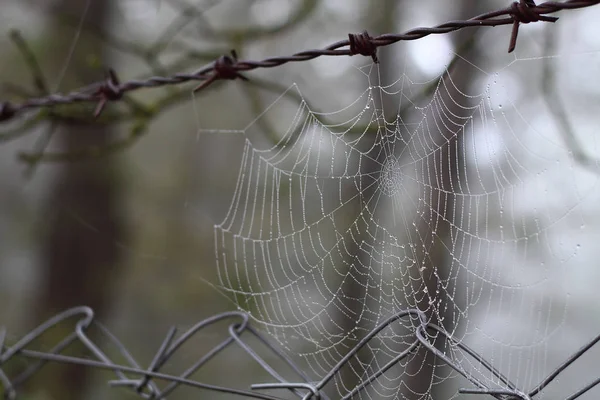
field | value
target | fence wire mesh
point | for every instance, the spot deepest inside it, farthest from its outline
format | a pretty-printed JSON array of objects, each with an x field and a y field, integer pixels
[{"x": 144, "y": 381}]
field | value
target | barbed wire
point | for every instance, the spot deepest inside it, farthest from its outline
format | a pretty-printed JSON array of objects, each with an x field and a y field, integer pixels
[
  {"x": 229, "y": 67},
  {"x": 238, "y": 333}
]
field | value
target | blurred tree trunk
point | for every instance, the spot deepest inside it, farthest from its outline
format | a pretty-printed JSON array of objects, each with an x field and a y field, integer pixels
[
  {"x": 83, "y": 228},
  {"x": 437, "y": 235},
  {"x": 355, "y": 289},
  {"x": 434, "y": 236}
]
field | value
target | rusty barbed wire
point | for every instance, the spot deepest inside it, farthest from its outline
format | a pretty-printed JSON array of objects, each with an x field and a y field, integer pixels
[
  {"x": 237, "y": 334},
  {"x": 229, "y": 67}
]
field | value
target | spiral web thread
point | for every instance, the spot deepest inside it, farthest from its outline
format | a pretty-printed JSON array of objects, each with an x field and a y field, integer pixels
[{"x": 310, "y": 218}]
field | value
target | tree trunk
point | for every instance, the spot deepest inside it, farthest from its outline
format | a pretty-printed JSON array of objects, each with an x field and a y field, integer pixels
[
  {"x": 355, "y": 290},
  {"x": 435, "y": 236},
  {"x": 438, "y": 237},
  {"x": 82, "y": 223}
]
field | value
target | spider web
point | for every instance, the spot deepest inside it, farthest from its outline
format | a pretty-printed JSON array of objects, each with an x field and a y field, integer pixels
[{"x": 354, "y": 215}]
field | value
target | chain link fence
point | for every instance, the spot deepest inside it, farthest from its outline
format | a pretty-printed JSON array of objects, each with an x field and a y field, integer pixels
[{"x": 145, "y": 381}]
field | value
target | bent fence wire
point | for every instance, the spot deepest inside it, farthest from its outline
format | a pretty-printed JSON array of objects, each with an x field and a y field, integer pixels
[
  {"x": 229, "y": 67},
  {"x": 142, "y": 381}
]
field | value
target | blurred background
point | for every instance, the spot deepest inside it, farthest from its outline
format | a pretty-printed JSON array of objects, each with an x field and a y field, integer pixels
[{"x": 463, "y": 181}]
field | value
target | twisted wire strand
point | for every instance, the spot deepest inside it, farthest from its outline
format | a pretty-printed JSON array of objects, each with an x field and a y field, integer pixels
[{"x": 229, "y": 67}]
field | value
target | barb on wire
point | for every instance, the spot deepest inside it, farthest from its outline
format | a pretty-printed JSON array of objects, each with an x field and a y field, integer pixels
[
  {"x": 108, "y": 91},
  {"x": 226, "y": 67},
  {"x": 238, "y": 332}
]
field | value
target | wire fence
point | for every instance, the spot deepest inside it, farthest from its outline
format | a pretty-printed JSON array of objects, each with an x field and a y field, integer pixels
[
  {"x": 143, "y": 381},
  {"x": 228, "y": 67}
]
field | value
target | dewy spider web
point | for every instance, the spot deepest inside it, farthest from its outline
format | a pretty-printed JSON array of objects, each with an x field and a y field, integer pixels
[{"x": 310, "y": 218}]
